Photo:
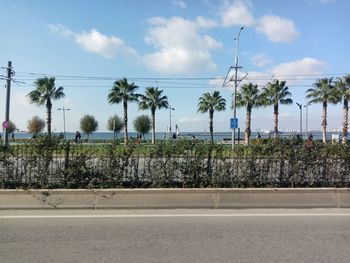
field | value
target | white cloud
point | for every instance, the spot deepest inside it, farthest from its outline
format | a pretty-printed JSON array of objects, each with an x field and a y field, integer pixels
[
  {"x": 108, "y": 47},
  {"x": 180, "y": 3},
  {"x": 182, "y": 47},
  {"x": 277, "y": 29},
  {"x": 305, "y": 66},
  {"x": 95, "y": 42},
  {"x": 217, "y": 82},
  {"x": 261, "y": 60},
  {"x": 60, "y": 30},
  {"x": 237, "y": 14},
  {"x": 179, "y": 60},
  {"x": 205, "y": 22},
  {"x": 294, "y": 72}
]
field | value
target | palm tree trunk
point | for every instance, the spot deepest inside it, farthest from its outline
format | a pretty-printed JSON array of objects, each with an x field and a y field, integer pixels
[
  {"x": 153, "y": 112},
  {"x": 49, "y": 109},
  {"x": 275, "y": 112},
  {"x": 125, "y": 105},
  {"x": 346, "y": 122},
  {"x": 248, "y": 124},
  {"x": 324, "y": 123},
  {"x": 211, "y": 117}
]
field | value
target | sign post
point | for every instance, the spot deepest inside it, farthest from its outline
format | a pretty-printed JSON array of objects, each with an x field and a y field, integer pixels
[
  {"x": 234, "y": 123},
  {"x": 234, "y": 126}
]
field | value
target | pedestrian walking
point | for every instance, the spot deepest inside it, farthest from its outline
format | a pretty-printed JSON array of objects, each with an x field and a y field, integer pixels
[{"x": 77, "y": 137}]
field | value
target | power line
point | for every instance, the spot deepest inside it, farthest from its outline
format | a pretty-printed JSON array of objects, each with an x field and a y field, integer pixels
[
  {"x": 80, "y": 77},
  {"x": 171, "y": 82},
  {"x": 164, "y": 87}
]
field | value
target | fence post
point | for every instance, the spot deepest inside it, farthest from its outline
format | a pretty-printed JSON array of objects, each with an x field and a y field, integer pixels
[
  {"x": 66, "y": 155},
  {"x": 282, "y": 160}
]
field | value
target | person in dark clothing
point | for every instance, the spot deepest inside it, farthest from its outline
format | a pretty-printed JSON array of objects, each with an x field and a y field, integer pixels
[{"x": 77, "y": 137}]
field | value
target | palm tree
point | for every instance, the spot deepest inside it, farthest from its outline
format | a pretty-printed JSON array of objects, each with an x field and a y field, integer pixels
[
  {"x": 274, "y": 94},
  {"x": 324, "y": 92},
  {"x": 122, "y": 91},
  {"x": 45, "y": 93},
  {"x": 343, "y": 88},
  {"x": 248, "y": 97},
  {"x": 211, "y": 102},
  {"x": 153, "y": 100}
]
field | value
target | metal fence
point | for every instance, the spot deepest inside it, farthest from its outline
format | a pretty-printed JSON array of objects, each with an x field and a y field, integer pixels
[{"x": 65, "y": 165}]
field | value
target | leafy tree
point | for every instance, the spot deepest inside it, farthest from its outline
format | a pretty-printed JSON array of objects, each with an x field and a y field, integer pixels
[
  {"x": 35, "y": 126},
  {"x": 45, "y": 93},
  {"x": 142, "y": 124},
  {"x": 274, "y": 94},
  {"x": 343, "y": 90},
  {"x": 12, "y": 127},
  {"x": 248, "y": 97},
  {"x": 115, "y": 124},
  {"x": 153, "y": 100},
  {"x": 324, "y": 92},
  {"x": 124, "y": 92},
  {"x": 210, "y": 103},
  {"x": 88, "y": 124}
]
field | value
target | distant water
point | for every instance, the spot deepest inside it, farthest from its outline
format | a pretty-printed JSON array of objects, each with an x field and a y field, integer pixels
[{"x": 218, "y": 136}]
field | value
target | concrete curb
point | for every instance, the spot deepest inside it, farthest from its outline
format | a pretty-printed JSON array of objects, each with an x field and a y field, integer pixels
[{"x": 176, "y": 198}]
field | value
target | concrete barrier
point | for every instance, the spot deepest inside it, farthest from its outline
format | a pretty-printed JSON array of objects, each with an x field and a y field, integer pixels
[{"x": 176, "y": 198}]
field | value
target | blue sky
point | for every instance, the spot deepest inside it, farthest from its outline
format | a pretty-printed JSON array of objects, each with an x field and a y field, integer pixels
[{"x": 184, "y": 47}]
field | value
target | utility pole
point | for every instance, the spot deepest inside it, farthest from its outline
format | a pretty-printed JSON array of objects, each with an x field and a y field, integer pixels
[
  {"x": 307, "y": 119},
  {"x": 63, "y": 109},
  {"x": 170, "y": 109},
  {"x": 5, "y": 124},
  {"x": 236, "y": 80},
  {"x": 301, "y": 119}
]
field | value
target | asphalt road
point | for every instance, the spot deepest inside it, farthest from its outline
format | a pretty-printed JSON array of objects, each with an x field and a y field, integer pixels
[{"x": 273, "y": 235}]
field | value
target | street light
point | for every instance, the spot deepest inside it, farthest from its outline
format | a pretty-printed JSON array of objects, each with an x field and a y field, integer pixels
[
  {"x": 63, "y": 109},
  {"x": 301, "y": 118},
  {"x": 170, "y": 109},
  {"x": 236, "y": 67},
  {"x": 307, "y": 119}
]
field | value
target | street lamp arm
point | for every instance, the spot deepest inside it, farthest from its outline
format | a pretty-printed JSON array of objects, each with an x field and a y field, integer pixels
[{"x": 237, "y": 43}]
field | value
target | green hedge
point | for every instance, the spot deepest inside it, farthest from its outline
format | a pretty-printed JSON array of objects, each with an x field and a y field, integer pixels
[{"x": 50, "y": 163}]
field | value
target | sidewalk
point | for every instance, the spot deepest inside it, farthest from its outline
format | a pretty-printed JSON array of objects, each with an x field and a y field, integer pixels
[{"x": 176, "y": 198}]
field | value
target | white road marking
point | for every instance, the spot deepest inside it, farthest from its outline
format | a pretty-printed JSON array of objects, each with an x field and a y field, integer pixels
[{"x": 172, "y": 215}]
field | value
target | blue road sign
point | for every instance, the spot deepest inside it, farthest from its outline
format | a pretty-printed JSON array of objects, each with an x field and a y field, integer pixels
[{"x": 234, "y": 123}]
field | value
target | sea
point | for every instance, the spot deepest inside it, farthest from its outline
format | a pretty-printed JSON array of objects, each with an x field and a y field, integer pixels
[{"x": 205, "y": 136}]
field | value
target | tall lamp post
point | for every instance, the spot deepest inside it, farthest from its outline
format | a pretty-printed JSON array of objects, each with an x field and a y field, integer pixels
[
  {"x": 170, "y": 109},
  {"x": 301, "y": 118},
  {"x": 236, "y": 67},
  {"x": 307, "y": 119},
  {"x": 63, "y": 109}
]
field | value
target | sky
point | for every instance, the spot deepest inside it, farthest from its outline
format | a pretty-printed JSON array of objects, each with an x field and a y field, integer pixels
[{"x": 183, "y": 47}]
